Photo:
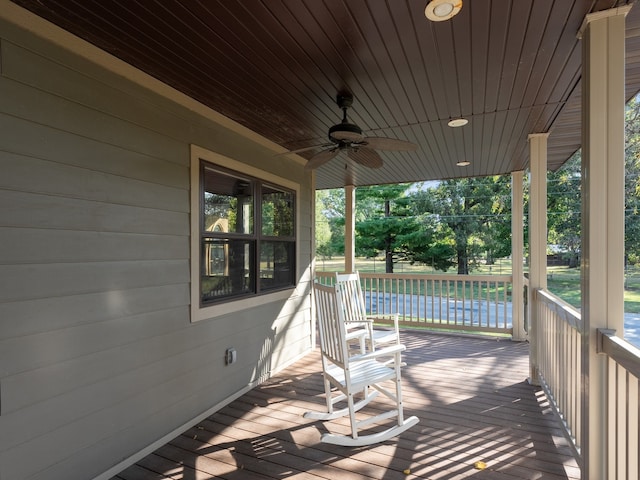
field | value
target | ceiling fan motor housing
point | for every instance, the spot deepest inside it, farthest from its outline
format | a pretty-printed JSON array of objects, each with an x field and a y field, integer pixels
[{"x": 345, "y": 132}]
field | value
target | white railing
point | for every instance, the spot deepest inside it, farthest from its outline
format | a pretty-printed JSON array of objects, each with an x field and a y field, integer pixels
[
  {"x": 559, "y": 361},
  {"x": 560, "y": 372},
  {"x": 622, "y": 405},
  {"x": 473, "y": 303}
]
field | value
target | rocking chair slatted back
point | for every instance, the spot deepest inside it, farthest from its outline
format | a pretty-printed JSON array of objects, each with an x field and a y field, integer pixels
[
  {"x": 331, "y": 329},
  {"x": 350, "y": 291},
  {"x": 354, "y": 312}
]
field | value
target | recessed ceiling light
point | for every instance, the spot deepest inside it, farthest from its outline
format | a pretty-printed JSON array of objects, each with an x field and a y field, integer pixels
[
  {"x": 458, "y": 122},
  {"x": 464, "y": 163},
  {"x": 440, "y": 10}
]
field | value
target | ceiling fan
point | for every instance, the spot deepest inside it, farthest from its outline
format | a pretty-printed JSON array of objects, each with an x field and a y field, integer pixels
[{"x": 348, "y": 137}]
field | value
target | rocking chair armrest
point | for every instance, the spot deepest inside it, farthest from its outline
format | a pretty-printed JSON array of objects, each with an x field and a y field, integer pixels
[
  {"x": 356, "y": 327},
  {"x": 386, "y": 316},
  {"x": 383, "y": 352},
  {"x": 389, "y": 316},
  {"x": 356, "y": 334}
]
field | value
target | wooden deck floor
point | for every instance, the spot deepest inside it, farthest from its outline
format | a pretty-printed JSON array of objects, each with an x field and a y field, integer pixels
[{"x": 470, "y": 394}]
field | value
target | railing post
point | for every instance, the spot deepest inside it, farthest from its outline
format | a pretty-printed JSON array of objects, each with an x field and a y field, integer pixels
[
  {"x": 603, "y": 95},
  {"x": 517, "y": 254},
  {"x": 537, "y": 239}
]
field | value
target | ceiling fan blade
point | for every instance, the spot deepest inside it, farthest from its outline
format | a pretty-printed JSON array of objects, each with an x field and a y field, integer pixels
[
  {"x": 365, "y": 156},
  {"x": 321, "y": 158},
  {"x": 384, "y": 143},
  {"x": 305, "y": 149}
]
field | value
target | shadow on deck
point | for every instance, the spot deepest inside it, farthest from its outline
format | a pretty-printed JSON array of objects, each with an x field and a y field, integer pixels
[{"x": 470, "y": 394}]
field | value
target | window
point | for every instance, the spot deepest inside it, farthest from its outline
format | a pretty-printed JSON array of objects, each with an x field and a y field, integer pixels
[{"x": 246, "y": 237}]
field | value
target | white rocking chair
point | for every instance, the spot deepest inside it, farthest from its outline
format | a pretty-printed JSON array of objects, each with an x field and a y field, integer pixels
[
  {"x": 355, "y": 375},
  {"x": 350, "y": 293}
]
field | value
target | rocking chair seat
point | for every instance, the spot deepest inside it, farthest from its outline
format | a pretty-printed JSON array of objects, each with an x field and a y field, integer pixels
[{"x": 364, "y": 370}]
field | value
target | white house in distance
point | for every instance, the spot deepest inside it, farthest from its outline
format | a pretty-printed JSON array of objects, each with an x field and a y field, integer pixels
[{"x": 129, "y": 130}]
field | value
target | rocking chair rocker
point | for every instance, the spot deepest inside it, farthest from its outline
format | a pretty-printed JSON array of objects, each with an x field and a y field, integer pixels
[{"x": 347, "y": 376}]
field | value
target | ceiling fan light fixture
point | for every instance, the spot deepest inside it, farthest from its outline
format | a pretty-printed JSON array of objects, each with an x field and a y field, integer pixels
[
  {"x": 440, "y": 10},
  {"x": 457, "y": 122},
  {"x": 463, "y": 163}
]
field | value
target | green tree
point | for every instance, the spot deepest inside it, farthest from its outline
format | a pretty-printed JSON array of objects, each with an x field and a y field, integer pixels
[
  {"x": 476, "y": 212},
  {"x": 332, "y": 201},
  {"x": 384, "y": 219},
  {"x": 323, "y": 229},
  {"x": 564, "y": 196},
  {"x": 632, "y": 180},
  {"x": 564, "y": 208},
  {"x": 330, "y": 207},
  {"x": 430, "y": 243},
  {"x": 388, "y": 223}
]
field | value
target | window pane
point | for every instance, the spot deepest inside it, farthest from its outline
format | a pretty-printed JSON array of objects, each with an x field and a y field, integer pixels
[
  {"x": 228, "y": 203},
  {"x": 277, "y": 212},
  {"x": 277, "y": 264},
  {"x": 226, "y": 269},
  {"x": 247, "y": 242}
]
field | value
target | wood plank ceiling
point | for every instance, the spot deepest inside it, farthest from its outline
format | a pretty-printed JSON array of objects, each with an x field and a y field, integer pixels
[{"x": 275, "y": 66}]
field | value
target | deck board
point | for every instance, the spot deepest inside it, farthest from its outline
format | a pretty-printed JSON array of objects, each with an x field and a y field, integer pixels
[{"x": 471, "y": 395}]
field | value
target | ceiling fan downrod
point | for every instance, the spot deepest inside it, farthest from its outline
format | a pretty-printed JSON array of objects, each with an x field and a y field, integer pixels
[{"x": 345, "y": 132}]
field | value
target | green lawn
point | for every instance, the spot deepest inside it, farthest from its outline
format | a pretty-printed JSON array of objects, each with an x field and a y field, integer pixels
[
  {"x": 565, "y": 283},
  {"x": 562, "y": 281}
]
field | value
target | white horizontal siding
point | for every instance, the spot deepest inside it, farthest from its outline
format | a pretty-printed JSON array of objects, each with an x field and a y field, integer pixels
[
  {"x": 81, "y": 119},
  {"x": 19, "y": 209},
  {"x": 98, "y": 356},
  {"x": 31, "y": 317},
  {"x": 50, "y": 143},
  {"x": 37, "y": 245},
  {"x": 33, "y": 281},
  {"x": 105, "y": 94},
  {"x": 29, "y": 174},
  {"x": 29, "y": 353}
]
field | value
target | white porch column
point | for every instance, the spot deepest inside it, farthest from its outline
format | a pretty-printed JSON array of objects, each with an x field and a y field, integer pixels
[
  {"x": 537, "y": 237},
  {"x": 603, "y": 94},
  {"x": 517, "y": 253},
  {"x": 349, "y": 228}
]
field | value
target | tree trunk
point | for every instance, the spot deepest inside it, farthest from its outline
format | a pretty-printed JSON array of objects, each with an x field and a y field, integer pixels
[
  {"x": 573, "y": 261},
  {"x": 388, "y": 262},
  {"x": 490, "y": 260},
  {"x": 463, "y": 262}
]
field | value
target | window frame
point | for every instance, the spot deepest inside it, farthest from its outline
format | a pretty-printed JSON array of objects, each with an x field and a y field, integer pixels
[{"x": 233, "y": 304}]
